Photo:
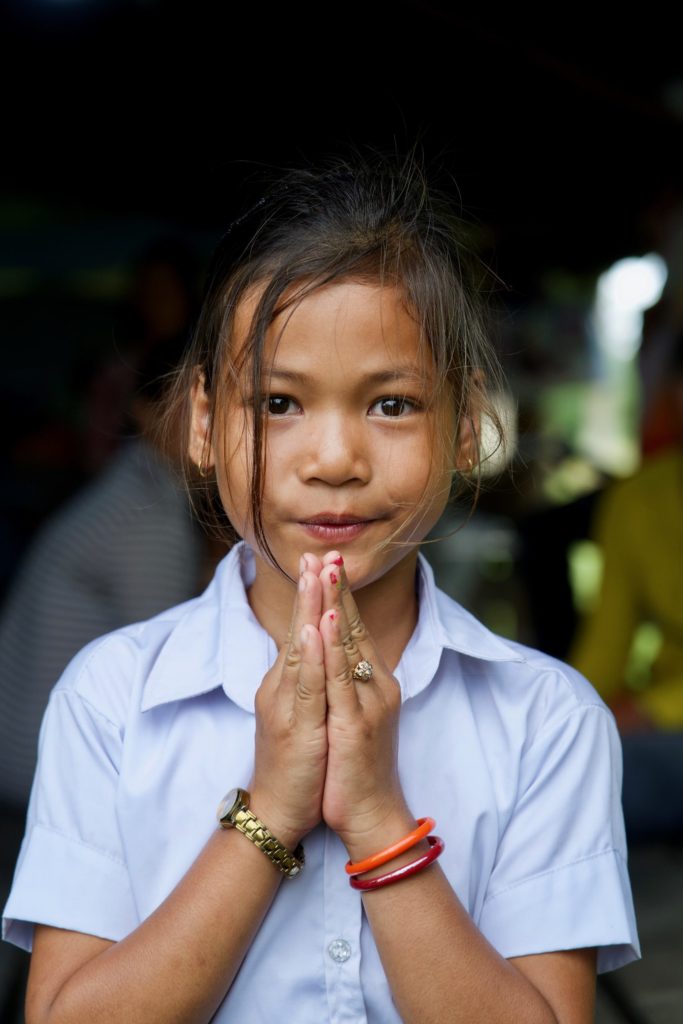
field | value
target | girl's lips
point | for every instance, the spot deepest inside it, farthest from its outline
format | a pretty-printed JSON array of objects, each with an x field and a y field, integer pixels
[{"x": 336, "y": 531}]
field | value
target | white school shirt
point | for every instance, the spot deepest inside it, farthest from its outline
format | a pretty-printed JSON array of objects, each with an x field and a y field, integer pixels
[{"x": 513, "y": 753}]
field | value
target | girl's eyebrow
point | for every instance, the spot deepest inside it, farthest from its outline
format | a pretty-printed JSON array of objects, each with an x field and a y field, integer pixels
[{"x": 406, "y": 373}]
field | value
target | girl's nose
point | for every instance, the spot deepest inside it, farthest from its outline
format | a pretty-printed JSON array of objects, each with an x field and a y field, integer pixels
[{"x": 335, "y": 452}]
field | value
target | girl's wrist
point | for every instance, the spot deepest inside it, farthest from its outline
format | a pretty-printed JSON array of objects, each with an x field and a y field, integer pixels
[
  {"x": 384, "y": 833},
  {"x": 284, "y": 830}
]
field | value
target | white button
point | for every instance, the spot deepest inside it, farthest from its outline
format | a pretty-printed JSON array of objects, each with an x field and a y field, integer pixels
[{"x": 339, "y": 950}]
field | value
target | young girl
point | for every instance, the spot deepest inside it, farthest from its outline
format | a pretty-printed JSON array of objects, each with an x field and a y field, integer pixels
[{"x": 417, "y": 821}]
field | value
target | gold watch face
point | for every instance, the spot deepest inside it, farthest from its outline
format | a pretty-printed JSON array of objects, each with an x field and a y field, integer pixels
[{"x": 228, "y": 807}]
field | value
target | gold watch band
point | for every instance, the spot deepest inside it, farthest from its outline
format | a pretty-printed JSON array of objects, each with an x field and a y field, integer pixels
[{"x": 290, "y": 864}]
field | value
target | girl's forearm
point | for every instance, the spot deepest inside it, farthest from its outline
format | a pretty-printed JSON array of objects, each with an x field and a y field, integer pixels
[
  {"x": 440, "y": 968},
  {"x": 177, "y": 966}
]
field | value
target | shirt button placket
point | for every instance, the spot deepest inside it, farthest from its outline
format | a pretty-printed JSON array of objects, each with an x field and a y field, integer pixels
[{"x": 343, "y": 918}]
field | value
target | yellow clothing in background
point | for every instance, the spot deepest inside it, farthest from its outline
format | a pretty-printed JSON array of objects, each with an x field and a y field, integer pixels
[{"x": 639, "y": 528}]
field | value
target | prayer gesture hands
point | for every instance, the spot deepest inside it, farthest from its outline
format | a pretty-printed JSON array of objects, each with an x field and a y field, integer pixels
[
  {"x": 362, "y": 786},
  {"x": 326, "y": 742}
]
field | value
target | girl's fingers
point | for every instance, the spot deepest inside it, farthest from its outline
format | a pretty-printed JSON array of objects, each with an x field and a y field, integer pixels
[
  {"x": 307, "y": 563},
  {"x": 342, "y": 695},
  {"x": 306, "y": 611},
  {"x": 310, "y": 686},
  {"x": 337, "y": 595},
  {"x": 354, "y": 639},
  {"x": 332, "y": 558},
  {"x": 311, "y": 563}
]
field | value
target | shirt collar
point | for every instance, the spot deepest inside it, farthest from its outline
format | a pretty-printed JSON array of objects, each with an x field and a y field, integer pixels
[
  {"x": 218, "y": 641},
  {"x": 443, "y": 624}
]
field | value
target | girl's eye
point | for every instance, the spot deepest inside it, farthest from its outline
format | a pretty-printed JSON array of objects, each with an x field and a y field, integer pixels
[
  {"x": 394, "y": 405},
  {"x": 281, "y": 405}
]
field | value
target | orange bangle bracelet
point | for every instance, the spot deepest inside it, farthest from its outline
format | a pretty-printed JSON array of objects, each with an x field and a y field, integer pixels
[{"x": 424, "y": 827}]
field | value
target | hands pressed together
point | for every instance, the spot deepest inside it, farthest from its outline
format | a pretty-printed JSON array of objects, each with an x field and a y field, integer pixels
[{"x": 326, "y": 743}]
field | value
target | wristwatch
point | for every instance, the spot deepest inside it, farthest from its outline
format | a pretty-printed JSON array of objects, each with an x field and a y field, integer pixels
[{"x": 233, "y": 812}]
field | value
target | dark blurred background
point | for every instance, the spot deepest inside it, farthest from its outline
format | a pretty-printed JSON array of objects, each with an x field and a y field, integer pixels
[
  {"x": 126, "y": 123},
  {"x": 131, "y": 128}
]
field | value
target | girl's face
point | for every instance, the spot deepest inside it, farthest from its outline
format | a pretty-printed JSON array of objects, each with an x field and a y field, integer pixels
[{"x": 354, "y": 432}]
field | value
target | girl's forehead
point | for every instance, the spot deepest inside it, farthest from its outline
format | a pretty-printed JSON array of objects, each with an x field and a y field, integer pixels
[{"x": 368, "y": 320}]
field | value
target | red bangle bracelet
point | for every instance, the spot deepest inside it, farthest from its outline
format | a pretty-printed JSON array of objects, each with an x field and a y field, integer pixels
[
  {"x": 437, "y": 844},
  {"x": 424, "y": 826}
]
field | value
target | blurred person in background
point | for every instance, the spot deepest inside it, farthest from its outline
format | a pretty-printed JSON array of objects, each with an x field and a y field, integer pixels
[
  {"x": 660, "y": 421},
  {"x": 121, "y": 549},
  {"x": 638, "y": 527},
  {"x": 158, "y": 311},
  {"x": 60, "y": 428}
]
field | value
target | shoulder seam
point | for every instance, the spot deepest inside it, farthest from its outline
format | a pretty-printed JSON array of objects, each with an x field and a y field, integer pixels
[
  {"x": 555, "y": 722},
  {"x": 69, "y": 690},
  {"x": 84, "y": 700}
]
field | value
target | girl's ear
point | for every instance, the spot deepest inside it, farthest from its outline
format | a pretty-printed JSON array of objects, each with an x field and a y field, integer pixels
[
  {"x": 468, "y": 447},
  {"x": 467, "y": 452},
  {"x": 200, "y": 448}
]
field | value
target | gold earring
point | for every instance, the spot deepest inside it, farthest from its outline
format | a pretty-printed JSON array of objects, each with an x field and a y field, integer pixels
[{"x": 203, "y": 470}]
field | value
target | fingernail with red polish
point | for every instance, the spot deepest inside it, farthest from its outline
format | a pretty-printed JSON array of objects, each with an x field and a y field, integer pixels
[
  {"x": 334, "y": 580},
  {"x": 338, "y": 561}
]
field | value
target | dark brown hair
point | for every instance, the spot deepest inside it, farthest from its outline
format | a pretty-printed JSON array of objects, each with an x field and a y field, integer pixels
[{"x": 364, "y": 216}]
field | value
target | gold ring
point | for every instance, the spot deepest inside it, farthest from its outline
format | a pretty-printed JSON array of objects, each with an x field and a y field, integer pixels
[{"x": 362, "y": 671}]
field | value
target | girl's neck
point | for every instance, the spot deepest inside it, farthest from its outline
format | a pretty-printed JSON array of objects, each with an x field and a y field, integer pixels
[{"x": 388, "y": 606}]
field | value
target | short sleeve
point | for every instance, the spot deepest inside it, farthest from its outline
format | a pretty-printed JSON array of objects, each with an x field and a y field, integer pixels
[
  {"x": 71, "y": 871},
  {"x": 560, "y": 879}
]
